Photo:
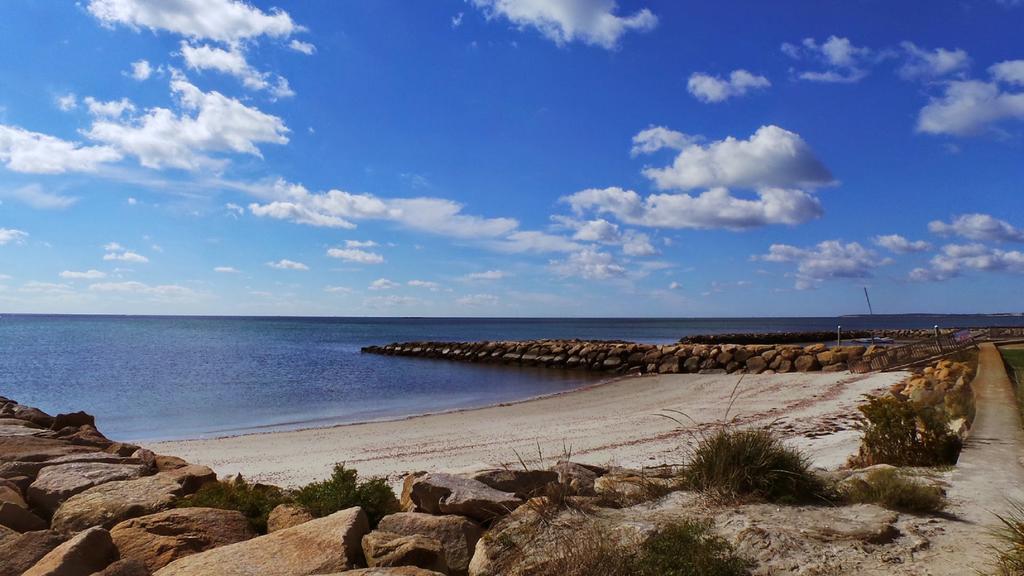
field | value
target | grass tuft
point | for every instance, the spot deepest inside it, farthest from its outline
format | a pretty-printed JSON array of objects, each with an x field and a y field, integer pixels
[
  {"x": 1010, "y": 557},
  {"x": 890, "y": 489},
  {"x": 902, "y": 433}
]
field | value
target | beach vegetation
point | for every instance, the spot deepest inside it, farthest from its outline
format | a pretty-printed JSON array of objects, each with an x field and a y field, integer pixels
[
  {"x": 1010, "y": 555},
  {"x": 904, "y": 433},
  {"x": 892, "y": 489},
  {"x": 343, "y": 489},
  {"x": 255, "y": 501}
]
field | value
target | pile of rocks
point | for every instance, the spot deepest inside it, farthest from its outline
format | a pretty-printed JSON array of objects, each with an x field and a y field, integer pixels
[
  {"x": 633, "y": 358},
  {"x": 946, "y": 386},
  {"x": 772, "y": 337}
]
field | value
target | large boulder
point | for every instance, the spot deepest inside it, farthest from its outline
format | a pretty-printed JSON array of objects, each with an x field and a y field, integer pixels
[
  {"x": 124, "y": 568},
  {"x": 36, "y": 449},
  {"x": 23, "y": 551},
  {"x": 806, "y": 363},
  {"x": 191, "y": 477},
  {"x": 457, "y": 534},
  {"x": 395, "y": 571},
  {"x": 578, "y": 477},
  {"x": 390, "y": 549},
  {"x": 158, "y": 539},
  {"x": 55, "y": 484},
  {"x": 107, "y": 504},
  {"x": 88, "y": 552},
  {"x": 19, "y": 518},
  {"x": 74, "y": 419},
  {"x": 286, "y": 516},
  {"x": 439, "y": 493},
  {"x": 31, "y": 468},
  {"x": 522, "y": 483},
  {"x": 321, "y": 546}
]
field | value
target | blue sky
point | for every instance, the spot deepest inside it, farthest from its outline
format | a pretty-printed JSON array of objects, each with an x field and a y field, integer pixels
[{"x": 511, "y": 157}]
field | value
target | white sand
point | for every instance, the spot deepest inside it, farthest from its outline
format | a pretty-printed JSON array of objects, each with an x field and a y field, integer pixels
[{"x": 613, "y": 423}]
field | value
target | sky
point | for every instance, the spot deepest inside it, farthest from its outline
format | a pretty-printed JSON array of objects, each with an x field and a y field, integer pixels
[{"x": 511, "y": 157}]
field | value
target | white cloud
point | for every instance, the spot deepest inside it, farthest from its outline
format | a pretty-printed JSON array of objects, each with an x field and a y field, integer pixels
[
  {"x": 338, "y": 209},
  {"x": 715, "y": 208},
  {"x": 226, "y": 270},
  {"x": 674, "y": 286},
  {"x": 978, "y": 227},
  {"x": 111, "y": 109},
  {"x": 233, "y": 63},
  {"x": 67, "y": 102},
  {"x": 222, "y": 20},
  {"x": 355, "y": 255},
  {"x": 209, "y": 122},
  {"x": 599, "y": 230},
  {"x": 535, "y": 241},
  {"x": 52, "y": 288},
  {"x": 10, "y": 235},
  {"x": 86, "y": 275},
  {"x": 655, "y": 138},
  {"x": 303, "y": 47},
  {"x": 968, "y": 107},
  {"x": 383, "y": 284},
  {"x": 588, "y": 263},
  {"x": 360, "y": 243},
  {"x": 900, "y": 245},
  {"x": 604, "y": 232},
  {"x": 35, "y": 196},
  {"x": 771, "y": 158},
  {"x": 954, "y": 259},
  {"x": 159, "y": 292},
  {"x": 36, "y": 153},
  {"x": 392, "y": 301},
  {"x": 457, "y": 20},
  {"x": 828, "y": 260},
  {"x": 116, "y": 253},
  {"x": 1009, "y": 71},
  {"x": 477, "y": 300},
  {"x": 921, "y": 63},
  {"x": 486, "y": 275},
  {"x": 593, "y": 22},
  {"x": 426, "y": 284},
  {"x": 712, "y": 89},
  {"x": 141, "y": 70},
  {"x": 285, "y": 264},
  {"x": 637, "y": 244},
  {"x": 843, "y": 62},
  {"x": 337, "y": 290}
]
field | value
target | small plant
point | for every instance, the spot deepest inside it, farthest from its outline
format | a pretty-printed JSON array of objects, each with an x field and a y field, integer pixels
[
  {"x": 1010, "y": 558},
  {"x": 902, "y": 433},
  {"x": 892, "y": 490},
  {"x": 731, "y": 463},
  {"x": 255, "y": 501},
  {"x": 344, "y": 490},
  {"x": 688, "y": 548}
]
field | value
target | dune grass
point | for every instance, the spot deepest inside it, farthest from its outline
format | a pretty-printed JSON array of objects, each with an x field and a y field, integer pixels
[
  {"x": 893, "y": 490},
  {"x": 902, "y": 433}
]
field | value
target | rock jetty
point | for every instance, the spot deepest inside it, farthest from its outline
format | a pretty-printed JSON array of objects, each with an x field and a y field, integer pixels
[{"x": 616, "y": 357}]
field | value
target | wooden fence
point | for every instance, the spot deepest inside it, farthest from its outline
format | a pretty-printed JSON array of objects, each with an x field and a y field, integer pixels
[{"x": 898, "y": 356}]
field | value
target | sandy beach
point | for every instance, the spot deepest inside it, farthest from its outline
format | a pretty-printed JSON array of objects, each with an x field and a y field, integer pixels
[{"x": 613, "y": 423}]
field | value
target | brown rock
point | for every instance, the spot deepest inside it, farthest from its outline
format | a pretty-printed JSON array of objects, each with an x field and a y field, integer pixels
[
  {"x": 19, "y": 423},
  {"x": 35, "y": 449},
  {"x": 55, "y": 484},
  {"x": 33, "y": 415},
  {"x": 164, "y": 463},
  {"x": 121, "y": 449},
  {"x": 159, "y": 539},
  {"x": 439, "y": 493},
  {"x": 107, "y": 504},
  {"x": 124, "y": 568},
  {"x": 88, "y": 552},
  {"x": 389, "y": 549},
  {"x": 756, "y": 364},
  {"x": 522, "y": 483},
  {"x": 191, "y": 477},
  {"x": 321, "y": 546},
  {"x": 286, "y": 516},
  {"x": 74, "y": 419},
  {"x": 20, "y": 519},
  {"x": 395, "y": 571},
  {"x": 806, "y": 363},
  {"x": 9, "y": 492},
  {"x": 457, "y": 534},
  {"x": 22, "y": 552}
]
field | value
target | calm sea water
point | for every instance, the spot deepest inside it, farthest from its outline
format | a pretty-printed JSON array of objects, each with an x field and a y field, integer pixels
[{"x": 149, "y": 378}]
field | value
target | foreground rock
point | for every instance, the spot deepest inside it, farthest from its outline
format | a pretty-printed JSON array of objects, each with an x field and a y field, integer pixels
[
  {"x": 399, "y": 571},
  {"x": 107, "y": 504},
  {"x": 85, "y": 554},
  {"x": 19, "y": 553},
  {"x": 125, "y": 568},
  {"x": 522, "y": 483},
  {"x": 387, "y": 549},
  {"x": 321, "y": 546},
  {"x": 458, "y": 535},
  {"x": 439, "y": 493},
  {"x": 286, "y": 516},
  {"x": 159, "y": 539},
  {"x": 55, "y": 484},
  {"x": 20, "y": 519}
]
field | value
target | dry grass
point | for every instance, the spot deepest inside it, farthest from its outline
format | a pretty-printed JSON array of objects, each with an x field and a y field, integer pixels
[
  {"x": 1010, "y": 556},
  {"x": 891, "y": 489},
  {"x": 902, "y": 433}
]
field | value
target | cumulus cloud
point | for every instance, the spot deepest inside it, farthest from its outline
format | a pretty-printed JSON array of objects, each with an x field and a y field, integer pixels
[
  {"x": 50, "y": 288},
  {"x": 110, "y": 109},
  {"x": 715, "y": 208},
  {"x": 592, "y": 22},
  {"x": 226, "y": 270},
  {"x": 141, "y": 70},
  {"x": 383, "y": 284},
  {"x": 713, "y": 89},
  {"x": 12, "y": 236},
  {"x": 656, "y": 138},
  {"x": 285, "y": 264},
  {"x": 1009, "y": 71},
  {"x": 954, "y": 259},
  {"x": 338, "y": 209},
  {"x": 900, "y": 245},
  {"x": 36, "y": 153},
  {"x": 604, "y": 232},
  {"x": 159, "y": 292},
  {"x": 85, "y": 275},
  {"x": 35, "y": 196},
  {"x": 982, "y": 227},
  {"x": 118, "y": 253},
  {"x": 589, "y": 264},
  {"x": 926, "y": 64},
  {"x": 841, "y": 60},
  {"x": 486, "y": 275},
  {"x": 233, "y": 63},
  {"x": 355, "y": 255},
  {"x": 360, "y": 243},
  {"x": 67, "y": 102},
  {"x": 535, "y": 241},
  {"x": 303, "y": 47},
  {"x": 827, "y": 260},
  {"x": 209, "y": 122},
  {"x": 222, "y": 20},
  {"x": 968, "y": 107},
  {"x": 426, "y": 284}
]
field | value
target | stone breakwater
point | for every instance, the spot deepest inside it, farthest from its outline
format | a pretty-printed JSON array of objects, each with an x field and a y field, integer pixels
[{"x": 631, "y": 358}]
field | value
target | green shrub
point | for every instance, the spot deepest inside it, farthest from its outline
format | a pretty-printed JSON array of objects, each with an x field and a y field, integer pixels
[
  {"x": 1010, "y": 556},
  {"x": 344, "y": 490},
  {"x": 902, "y": 433},
  {"x": 688, "y": 548},
  {"x": 892, "y": 490},
  {"x": 255, "y": 501},
  {"x": 755, "y": 463}
]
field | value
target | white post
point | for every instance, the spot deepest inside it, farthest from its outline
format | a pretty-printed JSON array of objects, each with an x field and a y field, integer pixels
[{"x": 839, "y": 335}]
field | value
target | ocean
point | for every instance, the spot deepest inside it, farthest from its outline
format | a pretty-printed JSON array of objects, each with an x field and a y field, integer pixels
[{"x": 162, "y": 377}]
